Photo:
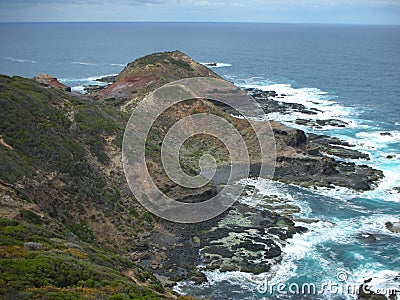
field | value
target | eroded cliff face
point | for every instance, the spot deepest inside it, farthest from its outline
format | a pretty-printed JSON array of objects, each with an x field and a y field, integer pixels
[
  {"x": 149, "y": 73},
  {"x": 299, "y": 160},
  {"x": 51, "y": 81},
  {"x": 67, "y": 216},
  {"x": 60, "y": 167}
]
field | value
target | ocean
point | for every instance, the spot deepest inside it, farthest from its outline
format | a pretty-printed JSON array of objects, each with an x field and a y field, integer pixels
[{"x": 348, "y": 72}]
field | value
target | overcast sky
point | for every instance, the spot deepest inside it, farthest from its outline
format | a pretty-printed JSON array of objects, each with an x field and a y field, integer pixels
[{"x": 281, "y": 11}]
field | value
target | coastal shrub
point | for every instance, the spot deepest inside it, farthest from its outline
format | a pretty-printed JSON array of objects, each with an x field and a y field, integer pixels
[
  {"x": 30, "y": 216},
  {"x": 53, "y": 271},
  {"x": 83, "y": 231}
]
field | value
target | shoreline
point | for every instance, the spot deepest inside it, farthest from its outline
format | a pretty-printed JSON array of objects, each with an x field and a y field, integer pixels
[{"x": 247, "y": 237}]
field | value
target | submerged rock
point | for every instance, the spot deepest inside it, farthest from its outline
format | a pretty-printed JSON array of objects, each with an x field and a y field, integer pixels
[{"x": 367, "y": 238}]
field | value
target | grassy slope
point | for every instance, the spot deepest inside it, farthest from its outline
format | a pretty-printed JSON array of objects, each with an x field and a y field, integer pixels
[
  {"x": 71, "y": 213},
  {"x": 36, "y": 262}
]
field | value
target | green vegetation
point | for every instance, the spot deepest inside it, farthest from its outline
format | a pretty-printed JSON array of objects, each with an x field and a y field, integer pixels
[
  {"x": 63, "y": 184},
  {"x": 30, "y": 216},
  {"x": 36, "y": 263},
  {"x": 96, "y": 123},
  {"x": 46, "y": 131},
  {"x": 56, "y": 152},
  {"x": 164, "y": 57}
]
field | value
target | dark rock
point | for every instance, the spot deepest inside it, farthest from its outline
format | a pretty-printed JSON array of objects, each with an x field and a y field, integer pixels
[
  {"x": 107, "y": 79},
  {"x": 393, "y": 226},
  {"x": 93, "y": 88},
  {"x": 319, "y": 123},
  {"x": 197, "y": 276},
  {"x": 269, "y": 105},
  {"x": 220, "y": 250},
  {"x": 210, "y": 64},
  {"x": 369, "y": 291},
  {"x": 332, "y": 146},
  {"x": 249, "y": 245},
  {"x": 364, "y": 293},
  {"x": 272, "y": 252},
  {"x": 367, "y": 238},
  {"x": 291, "y": 137}
]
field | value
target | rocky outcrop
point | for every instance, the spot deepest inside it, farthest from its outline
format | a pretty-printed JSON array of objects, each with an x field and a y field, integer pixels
[
  {"x": 267, "y": 101},
  {"x": 148, "y": 73},
  {"x": 51, "y": 81},
  {"x": 63, "y": 164},
  {"x": 336, "y": 147},
  {"x": 241, "y": 239},
  {"x": 63, "y": 187},
  {"x": 374, "y": 289},
  {"x": 393, "y": 226}
]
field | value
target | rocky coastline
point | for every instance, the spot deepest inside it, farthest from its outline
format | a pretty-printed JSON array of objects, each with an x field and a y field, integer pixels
[
  {"x": 88, "y": 132},
  {"x": 253, "y": 244}
]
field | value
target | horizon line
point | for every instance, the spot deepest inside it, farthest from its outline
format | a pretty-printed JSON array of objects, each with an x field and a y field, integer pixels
[{"x": 199, "y": 22}]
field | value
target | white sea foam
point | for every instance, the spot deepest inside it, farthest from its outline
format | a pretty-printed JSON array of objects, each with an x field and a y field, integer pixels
[
  {"x": 336, "y": 231},
  {"x": 82, "y": 63},
  {"x": 243, "y": 279},
  {"x": 215, "y": 64},
  {"x": 375, "y": 143},
  {"x": 304, "y": 245},
  {"x": 94, "y": 78},
  {"x": 79, "y": 89},
  {"x": 313, "y": 99},
  {"x": 379, "y": 148},
  {"x": 384, "y": 190},
  {"x": 78, "y": 84},
  {"x": 118, "y": 65},
  {"x": 20, "y": 60},
  {"x": 382, "y": 282},
  {"x": 299, "y": 247},
  {"x": 380, "y": 137},
  {"x": 265, "y": 187},
  {"x": 390, "y": 156}
]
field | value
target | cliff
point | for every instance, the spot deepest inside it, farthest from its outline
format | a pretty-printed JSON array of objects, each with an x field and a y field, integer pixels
[
  {"x": 65, "y": 200},
  {"x": 66, "y": 213},
  {"x": 51, "y": 81},
  {"x": 148, "y": 73}
]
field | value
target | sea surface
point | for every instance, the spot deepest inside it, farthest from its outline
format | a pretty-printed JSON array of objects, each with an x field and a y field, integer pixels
[{"x": 349, "y": 72}]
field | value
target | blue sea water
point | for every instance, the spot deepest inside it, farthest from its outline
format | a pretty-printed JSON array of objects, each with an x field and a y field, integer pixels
[{"x": 350, "y": 72}]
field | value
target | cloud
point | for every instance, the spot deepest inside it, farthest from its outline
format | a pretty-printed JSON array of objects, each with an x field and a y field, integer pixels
[
  {"x": 80, "y": 2},
  {"x": 364, "y": 11},
  {"x": 216, "y": 3}
]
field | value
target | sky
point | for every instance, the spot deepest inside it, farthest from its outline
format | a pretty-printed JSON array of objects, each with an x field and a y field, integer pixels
[{"x": 269, "y": 11}]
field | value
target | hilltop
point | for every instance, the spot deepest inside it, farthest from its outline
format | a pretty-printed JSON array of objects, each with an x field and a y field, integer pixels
[{"x": 64, "y": 197}]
